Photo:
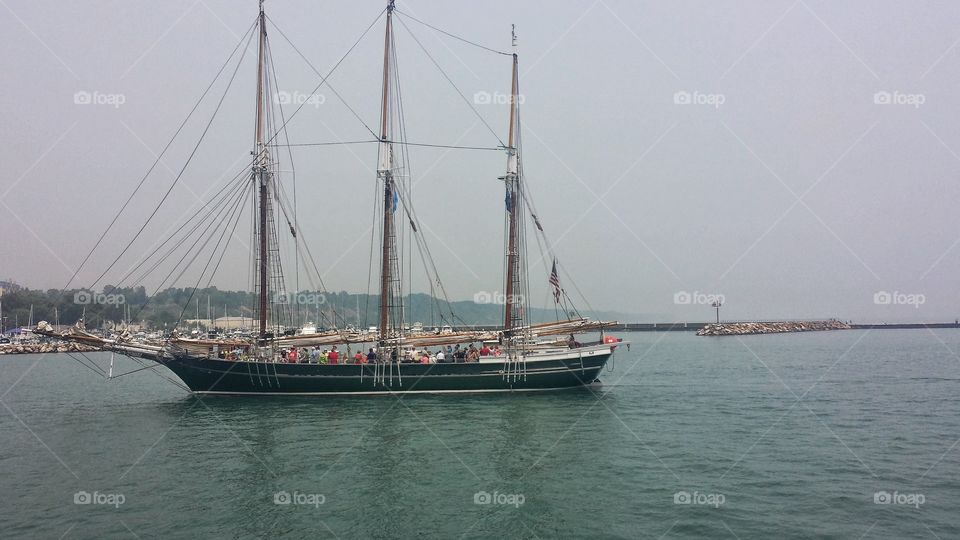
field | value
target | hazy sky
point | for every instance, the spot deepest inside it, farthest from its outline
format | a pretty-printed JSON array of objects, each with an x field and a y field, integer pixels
[{"x": 799, "y": 158}]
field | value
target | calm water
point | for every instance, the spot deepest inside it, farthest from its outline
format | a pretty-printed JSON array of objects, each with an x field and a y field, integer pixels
[{"x": 786, "y": 436}]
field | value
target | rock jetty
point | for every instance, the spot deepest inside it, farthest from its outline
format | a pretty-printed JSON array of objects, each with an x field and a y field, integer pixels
[
  {"x": 41, "y": 348},
  {"x": 744, "y": 328}
]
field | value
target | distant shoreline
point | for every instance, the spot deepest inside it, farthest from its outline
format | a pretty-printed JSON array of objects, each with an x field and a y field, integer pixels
[{"x": 697, "y": 326}]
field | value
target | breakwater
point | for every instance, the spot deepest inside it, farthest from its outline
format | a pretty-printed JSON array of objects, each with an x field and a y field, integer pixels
[
  {"x": 42, "y": 348},
  {"x": 739, "y": 329}
]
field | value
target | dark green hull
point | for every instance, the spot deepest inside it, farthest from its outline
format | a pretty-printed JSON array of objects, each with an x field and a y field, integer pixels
[{"x": 566, "y": 369}]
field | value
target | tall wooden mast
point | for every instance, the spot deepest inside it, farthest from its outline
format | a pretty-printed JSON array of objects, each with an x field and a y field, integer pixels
[
  {"x": 512, "y": 181},
  {"x": 385, "y": 172},
  {"x": 260, "y": 173}
]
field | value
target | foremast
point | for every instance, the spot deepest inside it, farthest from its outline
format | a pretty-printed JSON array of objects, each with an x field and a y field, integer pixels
[
  {"x": 513, "y": 316},
  {"x": 261, "y": 175}
]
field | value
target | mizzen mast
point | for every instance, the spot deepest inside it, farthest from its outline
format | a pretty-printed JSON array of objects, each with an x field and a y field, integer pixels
[{"x": 513, "y": 310}]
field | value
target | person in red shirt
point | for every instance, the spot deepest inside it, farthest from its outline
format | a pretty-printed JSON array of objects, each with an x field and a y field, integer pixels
[
  {"x": 359, "y": 358},
  {"x": 292, "y": 356},
  {"x": 333, "y": 356},
  {"x": 485, "y": 351}
]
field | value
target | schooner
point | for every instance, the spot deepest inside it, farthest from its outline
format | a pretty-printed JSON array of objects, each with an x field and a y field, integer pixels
[{"x": 533, "y": 356}]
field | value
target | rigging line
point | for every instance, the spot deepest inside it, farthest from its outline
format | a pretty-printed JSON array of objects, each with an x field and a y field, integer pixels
[
  {"x": 214, "y": 211},
  {"x": 182, "y": 170},
  {"x": 185, "y": 255},
  {"x": 215, "y": 248},
  {"x": 98, "y": 371},
  {"x": 334, "y": 143},
  {"x": 183, "y": 227},
  {"x": 467, "y": 41},
  {"x": 293, "y": 170},
  {"x": 398, "y": 143},
  {"x": 239, "y": 214},
  {"x": 373, "y": 242},
  {"x": 405, "y": 181},
  {"x": 540, "y": 232},
  {"x": 149, "y": 299},
  {"x": 141, "y": 368},
  {"x": 409, "y": 209},
  {"x": 447, "y": 77},
  {"x": 315, "y": 70},
  {"x": 334, "y": 68},
  {"x": 157, "y": 161},
  {"x": 157, "y": 373},
  {"x": 456, "y": 147},
  {"x": 299, "y": 239},
  {"x": 423, "y": 246},
  {"x": 590, "y": 307}
]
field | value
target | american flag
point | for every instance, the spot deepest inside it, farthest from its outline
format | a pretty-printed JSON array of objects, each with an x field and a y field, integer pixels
[{"x": 555, "y": 281}]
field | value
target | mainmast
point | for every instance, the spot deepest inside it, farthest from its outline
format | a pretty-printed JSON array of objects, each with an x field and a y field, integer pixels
[
  {"x": 512, "y": 313},
  {"x": 385, "y": 173},
  {"x": 261, "y": 175}
]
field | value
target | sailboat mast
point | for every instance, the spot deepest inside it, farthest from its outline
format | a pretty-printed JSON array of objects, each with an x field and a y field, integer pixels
[
  {"x": 260, "y": 173},
  {"x": 385, "y": 171},
  {"x": 512, "y": 183}
]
